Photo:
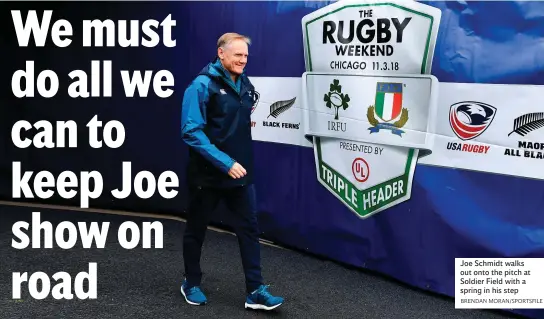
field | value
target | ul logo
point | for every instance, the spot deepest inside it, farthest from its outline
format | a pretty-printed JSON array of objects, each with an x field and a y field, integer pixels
[{"x": 360, "y": 169}]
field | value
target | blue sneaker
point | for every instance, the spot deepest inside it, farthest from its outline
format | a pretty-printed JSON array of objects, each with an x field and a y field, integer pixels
[
  {"x": 262, "y": 299},
  {"x": 193, "y": 295}
]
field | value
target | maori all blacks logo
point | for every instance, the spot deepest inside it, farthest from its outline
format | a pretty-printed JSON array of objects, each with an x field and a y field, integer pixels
[{"x": 470, "y": 119}]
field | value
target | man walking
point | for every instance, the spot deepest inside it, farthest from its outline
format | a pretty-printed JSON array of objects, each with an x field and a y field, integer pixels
[{"x": 216, "y": 125}]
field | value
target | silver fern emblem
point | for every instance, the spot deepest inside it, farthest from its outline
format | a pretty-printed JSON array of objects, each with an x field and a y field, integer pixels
[
  {"x": 528, "y": 123},
  {"x": 281, "y": 106}
]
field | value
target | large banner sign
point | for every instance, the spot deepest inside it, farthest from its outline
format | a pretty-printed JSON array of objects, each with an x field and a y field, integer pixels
[
  {"x": 365, "y": 36},
  {"x": 367, "y": 128},
  {"x": 276, "y": 115},
  {"x": 491, "y": 128}
]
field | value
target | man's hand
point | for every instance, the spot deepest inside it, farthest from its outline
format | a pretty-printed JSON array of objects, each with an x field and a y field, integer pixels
[{"x": 237, "y": 171}]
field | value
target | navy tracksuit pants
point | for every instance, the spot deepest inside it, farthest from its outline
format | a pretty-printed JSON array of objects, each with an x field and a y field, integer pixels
[{"x": 241, "y": 201}]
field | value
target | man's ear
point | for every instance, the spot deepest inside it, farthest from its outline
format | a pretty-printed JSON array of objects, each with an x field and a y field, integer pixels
[{"x": 220, "y": 53}]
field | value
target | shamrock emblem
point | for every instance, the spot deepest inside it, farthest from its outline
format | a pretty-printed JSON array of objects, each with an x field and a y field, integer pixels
[{"x": 336, "y": 98}]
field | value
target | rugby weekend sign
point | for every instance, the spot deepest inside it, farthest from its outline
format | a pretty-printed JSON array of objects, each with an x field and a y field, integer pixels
[{"x": 366, "y": 117}]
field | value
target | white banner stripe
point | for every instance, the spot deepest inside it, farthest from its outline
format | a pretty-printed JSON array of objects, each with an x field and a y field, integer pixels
[{"x": 485, "y": 153}]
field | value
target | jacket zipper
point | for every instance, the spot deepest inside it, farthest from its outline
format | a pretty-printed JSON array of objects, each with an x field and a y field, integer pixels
[
  {"x": 241, "y": 102},
  {"x": 239, "y": 94},
  {"x": 234, "y": 88}
]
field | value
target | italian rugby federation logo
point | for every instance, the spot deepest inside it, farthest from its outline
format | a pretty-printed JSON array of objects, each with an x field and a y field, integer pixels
[
  {"x": 335, "y": 98},
  {"x": 470, "y": 119},
  {"x": 388, "y": 107}
]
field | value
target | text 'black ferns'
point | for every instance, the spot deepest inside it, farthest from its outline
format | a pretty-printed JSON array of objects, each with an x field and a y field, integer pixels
[{"x": 528, "y": 123}]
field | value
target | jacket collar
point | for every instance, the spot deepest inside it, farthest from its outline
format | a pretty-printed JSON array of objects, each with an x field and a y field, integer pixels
[{"x": 225, "y": 74}]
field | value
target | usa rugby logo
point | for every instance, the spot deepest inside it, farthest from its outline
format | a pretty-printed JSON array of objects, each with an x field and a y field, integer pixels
[
  {"x": 256, "y": 97},
  {"x": 470, "y": 119}
]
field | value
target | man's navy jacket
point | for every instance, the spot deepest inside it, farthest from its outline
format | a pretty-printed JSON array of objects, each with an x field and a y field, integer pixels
[{"x": 216, "y": 124}]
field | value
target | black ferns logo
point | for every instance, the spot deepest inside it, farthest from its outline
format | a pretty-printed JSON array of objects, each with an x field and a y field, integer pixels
[
  {"x": 527, "y": 123},
  {"x": 281, "y": 106},
  {"x": 336, "y": 98},
  {"x": 276, "y": 108}
]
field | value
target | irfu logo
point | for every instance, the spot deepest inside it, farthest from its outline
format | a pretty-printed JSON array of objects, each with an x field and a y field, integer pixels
[{"x": 336, "y": 98}]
